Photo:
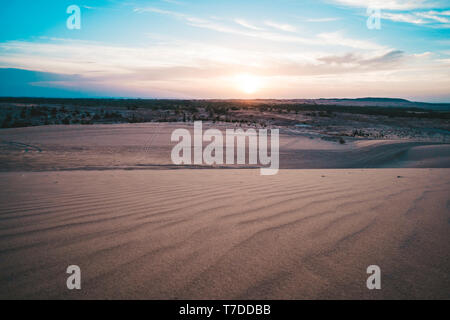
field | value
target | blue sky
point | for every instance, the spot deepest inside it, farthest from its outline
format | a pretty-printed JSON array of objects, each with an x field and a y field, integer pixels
[{"x": 226, "y": 49}]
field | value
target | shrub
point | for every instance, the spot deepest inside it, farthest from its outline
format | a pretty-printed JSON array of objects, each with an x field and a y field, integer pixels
[{"x": 66, "y": 120}]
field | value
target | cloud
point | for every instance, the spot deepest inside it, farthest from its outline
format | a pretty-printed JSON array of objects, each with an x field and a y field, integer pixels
[
  {"x": 389, "y": 57},
  {"x": 178, "y": 60},
  {"x": 439, "y": 19},
  {"x": 434, "y": 15},
  {"x": 403, "y": 17},
  {"x": 408, "y": 11},
  {"x": 323, "y": 19},
  {"x": 184, "y": 69},
  {"x": 160, "y": 11},
  {"x": 336, "y": 39},
  {"x": 350, "y": 59},
  {"x": 281, "y": 26},
  {"x": 423, "y": 54},
  {"x": 245, "y": 24},
  {"x": 392, "y": 4}
]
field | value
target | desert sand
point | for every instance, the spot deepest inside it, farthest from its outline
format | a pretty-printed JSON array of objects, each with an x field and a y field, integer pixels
[
  {"x": 225, "y": 234},
  {"x": 148, "y": 146},
  {"x": 219, "y": 233}
]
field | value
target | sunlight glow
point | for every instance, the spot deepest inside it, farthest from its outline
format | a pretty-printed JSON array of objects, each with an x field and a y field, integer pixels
[{"x": 248, "y": 83}]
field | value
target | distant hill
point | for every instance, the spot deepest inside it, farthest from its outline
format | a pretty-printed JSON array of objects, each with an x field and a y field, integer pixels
[
  {"x": 384, "y": 102},
  {"x": 358, "y": 102}
]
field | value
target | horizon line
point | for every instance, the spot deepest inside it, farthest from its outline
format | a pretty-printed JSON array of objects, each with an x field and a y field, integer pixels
[{"x": 219, "y": 99}]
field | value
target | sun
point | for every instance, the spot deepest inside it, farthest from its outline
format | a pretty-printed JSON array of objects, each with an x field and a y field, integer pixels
[{"x": 248, "y": 83}]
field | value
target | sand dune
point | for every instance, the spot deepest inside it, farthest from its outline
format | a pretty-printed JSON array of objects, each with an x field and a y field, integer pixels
[
  {"x": 148, "y": 146},
  {"x": 225, "y": 234},
  {"x": 188, "y": 234}
]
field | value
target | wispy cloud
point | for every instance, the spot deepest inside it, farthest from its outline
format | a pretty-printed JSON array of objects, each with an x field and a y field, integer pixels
[
  {"x": 160, "y": 11},
  {"x": 338, "y": 38},
  {"x": 89, "y": 7},
  {"x": 435, "y": 15},
  {"x": 280, "y": 26},
  {"x": 324, "y": 39},
  {"x": 408, "y": 11},
  {"x": 429, "y": 18},
  {"x": 385, "y": 59},
  {"x": 246, "y": 24},
  {"x": 403, "y": 17},
  {"x": 176, "y": 59},
  {"x": 322, "y": 19},
  {"x": 393, "y": 4}
]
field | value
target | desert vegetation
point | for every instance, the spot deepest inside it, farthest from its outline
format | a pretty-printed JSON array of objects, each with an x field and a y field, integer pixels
[{"x": 331, "y": 120}]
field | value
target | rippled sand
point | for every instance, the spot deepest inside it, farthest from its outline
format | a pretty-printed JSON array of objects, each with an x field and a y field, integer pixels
[{"x": 206, "y": 234}]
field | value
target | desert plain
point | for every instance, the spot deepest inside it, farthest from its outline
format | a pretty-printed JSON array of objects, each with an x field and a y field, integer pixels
[{"x": 107, "y": 198}]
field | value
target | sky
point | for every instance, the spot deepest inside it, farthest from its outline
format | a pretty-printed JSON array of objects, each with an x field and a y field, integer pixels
[{"x": 194, "y": 49}]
